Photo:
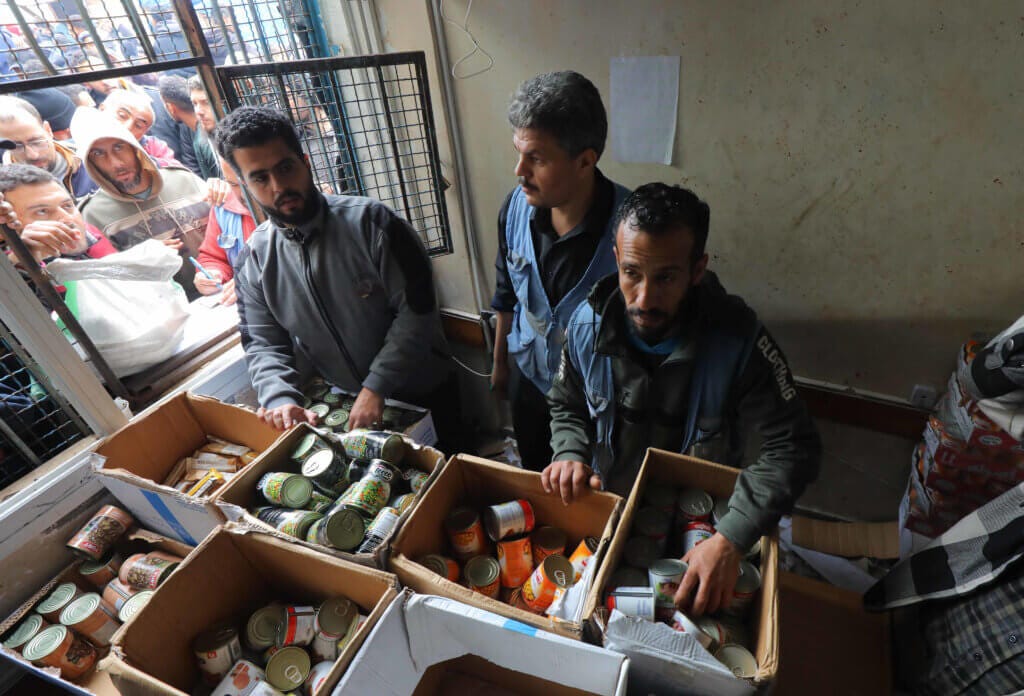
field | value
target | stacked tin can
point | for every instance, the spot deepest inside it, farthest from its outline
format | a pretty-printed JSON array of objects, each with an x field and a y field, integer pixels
[{"x": 333, "y": 408}]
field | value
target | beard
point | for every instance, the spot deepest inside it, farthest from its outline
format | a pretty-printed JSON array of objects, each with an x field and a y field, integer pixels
[
  {"x": 306, "y": 212},
  {"x": 650, "y": 334},
  {"x": 133, "y": 184}
]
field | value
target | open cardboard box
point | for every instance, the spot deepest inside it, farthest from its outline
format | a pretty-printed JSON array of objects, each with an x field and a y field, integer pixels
[
  {"x": 478, "y": 483},
  {"x": 134, "y": 461},
  {"x": 480, "y": 652},
  {"x": 95, "y": 682},
  {"x": 241, "y": 495},
  {"x": 234, "y": 572},
  {"x": 678, "y": 471}
]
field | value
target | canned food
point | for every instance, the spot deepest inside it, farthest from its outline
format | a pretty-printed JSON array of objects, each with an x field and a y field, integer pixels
[
  {"x": 99, "y": 573},
  {"x": 26, "y": 631},
  {"x": 515, "y": 557},
  {"x": 632, "y": 601},
  {"x": 133, "y": 605},
  {"x": 581, "y": 557},
  {"x": 682, "y": 623},
  {"x": 98, "y": 535},
  {"x": 546, "y": 541},
  {"x": 58, "y": 646},
  {"x": 116, "y": 593},
  {"x": 737, "y": 660},
  {"x": 318, "y": 502},
  {"x": 626, "y": 576},
  {"x": 466, "y": 533},
  {"x": 320, "y": 409},
  {"x": 342, "y": 529},
  {"x": 62, "y": 595},
  {"x": 331, "y": 397},
  {"x": 334, "y": 620},
  {"x": 379, "y": 530},
  {"x": 372, "y": 444},
  {"x": 327, "y": 471},
  {"x": 288, "y": 668},
  {"x": 90, "y": 617},
  {"x": 445, "y": 567},
  {"x": 509, "y": 519},
  {"x": 416, "y": 479},
  {"x": 696, "y": 533},
  {"x": 285, "y": 489},
  {"x": 641, "y": 552},
  {"x": 309, "y": 444},
  {"x": 403, "y": 502},
  {"x": 295, "y": 523},
  {"x": 747, "y": 585},
  {"x": 317, "y": 677},
  {"x": 720, "y": 510},
  {"x": 336, "y": 419},
  {"x": 261, "y": 628},
  {"x": 146, "y": 571},
  {"x": 665, "y": 575},
  {"x": 297, "y": 627},
  {"x": 714, "y": 628},
  {"x": 654, "y": 524},
  {"x": 554, "y": 573},
  {"x": 242, "y": 680},
  {"x": 515, "y": 599},
  {"x": 371, "y": 493},
  {"x": 482, "y": 575},
  {"x": 216, "y": 651},
  {"x": 694, "y": 505},
  {"x": 660, "y": 498}
]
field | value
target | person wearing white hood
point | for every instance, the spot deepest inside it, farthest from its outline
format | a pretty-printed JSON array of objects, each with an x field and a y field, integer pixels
[{"x": 136, "y": 199}]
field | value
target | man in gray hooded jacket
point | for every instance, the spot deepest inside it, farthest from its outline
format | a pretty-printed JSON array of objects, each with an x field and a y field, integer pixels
[{"x": 341, "y": 280}]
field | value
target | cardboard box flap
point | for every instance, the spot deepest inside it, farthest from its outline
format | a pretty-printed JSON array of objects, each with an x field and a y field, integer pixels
[{"x": 848, "y": 539}]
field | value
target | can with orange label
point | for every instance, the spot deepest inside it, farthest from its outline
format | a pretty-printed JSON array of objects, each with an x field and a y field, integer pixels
[
  {"x": 553, "y": 574},
  {"x": 546, "y": 541},
  {"x": 482, "y": 575},
  {"x": 466, "y": 533},
  {"x": 581, "y": 557},
  {"x": 515, "y": 556},
  {"x": 509, "y": 519},
  {"x": 443, "y": 566}
]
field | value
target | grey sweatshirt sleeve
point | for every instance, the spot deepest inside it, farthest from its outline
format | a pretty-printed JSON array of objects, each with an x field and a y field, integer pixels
[
  {"x": 269, "y": 352},
  {"x": 405, "y": 272}
]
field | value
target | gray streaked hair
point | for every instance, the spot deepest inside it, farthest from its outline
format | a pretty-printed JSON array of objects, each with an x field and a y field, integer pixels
[{"x": 564, "y": 104}]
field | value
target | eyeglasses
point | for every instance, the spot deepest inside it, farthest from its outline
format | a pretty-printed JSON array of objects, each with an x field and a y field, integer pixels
[{"x": 34, "y": 143}]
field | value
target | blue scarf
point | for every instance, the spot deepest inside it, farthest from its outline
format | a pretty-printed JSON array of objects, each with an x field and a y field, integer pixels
[
  {"x": 664, "y": 348},
  {"x": 231, "y": 238}
]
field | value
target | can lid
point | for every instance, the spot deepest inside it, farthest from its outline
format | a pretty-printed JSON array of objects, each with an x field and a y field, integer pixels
[
  {"x": 338, "y": 416},
  {"x": 80, "y": 609},
  {"x": 320, "y": 409},
  {"x": 345, "y": 529},
  {"x": 304, "y": 447},
  {"x": 393, "y": 449},
  {"x": 48, "y": 640},
  {"x": 331, "y": 397},
  {"x": 296, "y": 491},
  {"x": 288, "y": 668},
  {"x": 559, "y": 570},
  {"x": 548, "y": 538},
  {"x": 261, "y": 629},
  {"x": 61, "y": 595},
  {"x": 318, "y": 463},
  {"x": 435, "y": 563},
  {"x": 668, "y": 566},
  {"x": 91, "y": 566},
  {"x": 481, "y": 571},
  {"x": 25, "y": 631},
  {"x": 749, "y": 579},
  {"x": 133, "y": 605},
  {"x": 694, "y": 501},
  {"x": 335, "y": 615},
  {"x": 738, "y": 660}
]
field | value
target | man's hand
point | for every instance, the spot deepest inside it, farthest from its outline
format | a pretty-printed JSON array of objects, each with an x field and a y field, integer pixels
[
  {"x": 569, "y": 479},
  {"x": 217, "y": 191},
  {"x": 228, "y": 297},
  {"x": 713, "y": 567},
  {"x": 173, "y": 243},
  {"x": 499, "y": 377},
  {"x": 284, "y": 417},
  {"x": 204, "y": 285},
  {"x": 7, "y": 215},
  {"x": 367, "y": 411},
  {"x": 47, "y": 238}
]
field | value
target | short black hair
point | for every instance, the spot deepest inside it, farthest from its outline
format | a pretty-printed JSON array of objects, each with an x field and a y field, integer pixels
[
  {"x": 658, "y": 208},
  {"x": 248, "y": 126},
  {"x": 14, "y": 176},
  {"x": 565, "y": 104},
  {"x": 174, "y": 89}
]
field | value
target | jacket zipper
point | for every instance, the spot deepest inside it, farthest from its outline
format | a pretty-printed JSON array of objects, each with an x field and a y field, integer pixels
[{"x": 318, "y": 301}]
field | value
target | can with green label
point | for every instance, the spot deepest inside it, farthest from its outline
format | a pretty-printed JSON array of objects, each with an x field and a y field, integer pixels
[
  {"x": 373, "y": 444},
  {"x": 295, "y": 523},
  {"x": 285, "y": 489},
  {"x": 308, "y": 445},
  {"x": 341, "y": 529}
]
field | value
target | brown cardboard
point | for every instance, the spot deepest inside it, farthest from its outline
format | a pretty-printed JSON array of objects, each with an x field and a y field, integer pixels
[
  {"x": 240, "y": 494},
  {"x": 468, "y": 480},
  {"x": 679, "y": 471},
  {"x": 849, "y": 539},
  {"x": 831, "y": 644},
  {"x": 472, "y": 674},
  {"x": 231, "y": 574}
]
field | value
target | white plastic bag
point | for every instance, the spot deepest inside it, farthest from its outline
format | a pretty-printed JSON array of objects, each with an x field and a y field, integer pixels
[{"x": 128, "y": 304}]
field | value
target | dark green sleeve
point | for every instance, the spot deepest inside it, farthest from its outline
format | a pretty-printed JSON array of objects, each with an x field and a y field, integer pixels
[
  {"x": 572, "y": 431},
  {"x": 790, "y": 451}
]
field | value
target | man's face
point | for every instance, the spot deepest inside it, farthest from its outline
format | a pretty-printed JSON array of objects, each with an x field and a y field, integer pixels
[
  {"x": 655, "y": 277},
  {"x": 547, "y": 175},
  {"x": 204, "y": 111},
  {"x": 137, "y": 120},
  {"x": 46, "y": 201},
  {"x": 119, "y": 162},
  {"x": 34, "y": 140},
  {"x": 279, "y": 179}
]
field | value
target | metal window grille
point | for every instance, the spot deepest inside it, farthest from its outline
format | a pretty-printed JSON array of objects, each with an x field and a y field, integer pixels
[
  {"x": 37, "y": 422},
  {"x": 367, "y": 126}
]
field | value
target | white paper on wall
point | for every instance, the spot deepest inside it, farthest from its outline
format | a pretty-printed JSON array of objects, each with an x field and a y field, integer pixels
[{"x": 644, "y": 108}]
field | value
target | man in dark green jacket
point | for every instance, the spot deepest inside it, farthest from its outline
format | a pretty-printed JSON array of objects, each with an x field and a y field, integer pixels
[{"x": 660, "y": 356}]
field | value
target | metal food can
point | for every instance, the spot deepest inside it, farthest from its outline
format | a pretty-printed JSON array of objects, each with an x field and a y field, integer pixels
[
  {"x": 288, "y": 668},
  {"x": 62, "y": 595},
  {"x": 515, "y": 557},
  {"x": 694, "y": 505},
  {"x": 660, "y": 497},
  {"x": 26, "y": 631},
  {"x": 331, "y": 397},
  {"x": 317, "y": 677},
  {"x": 116, "y": 593},
  {"x": 216, "y": 651},
  {"x": 466, "y": 533},
  {"x": 285, "y": 489},
  {"x": 682, "y": 623},
  {"x": 515, "y": 599},
  {"x": 696, "y": 533},
  {"x": 581, "y": 557},
  {"x": 318, "y": 502},
  {"x": 336, "y": 419},
  {"x": 632, "y": 601},
  {"x": 509, "y": 519},
  {"x": 263, "y": 688},
  {"x": 443, "y": 566},
  {"x": 58, "y": 646},
  {"x": 747, "y": 585},
  {"x": 99, "y": 573},
  {"x": 146, "y": 571},
  {"x": 713, "y": 627},
  {"x": 372, "y": 444},
  {"x": 309, "y": 444},
  {"x": 98, "y": 535},
  {"x": 654, "y": 524},
  {"x": 295, "y": 523},
  {"x": 720, "y": 510},
  {"x": 327, "y": 471},
  {"x": 298, "y": 626},
  {"x": 261, "y": 628},
  {"x": 241, "y": 680},
  {"x": 641, "y": 552},
  {"x": 547, "y": 541},
  {"x": 403, "y": 502},
  {"x": 90, "y": 617},
  {"x": 665, "y": 575},
  {"x": 334, "y": 620},
  {"x": 553, "y": 574},
  {"x": 482, "y": 575},
  {"x": 341, "y": 529},
  {"x": 737, "y": 660},
  {"x": 416, "y": 479},
  {"x": 320, "y": 409},
  {"x": 379, "y": 529},
  {"x": 133, "y": 605}
]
